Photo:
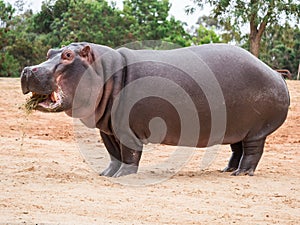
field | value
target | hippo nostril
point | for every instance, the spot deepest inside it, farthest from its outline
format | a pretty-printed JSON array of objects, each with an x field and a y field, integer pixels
[
  {"x": 26, "y": 71},
  {"x": 35, "y": 69}
]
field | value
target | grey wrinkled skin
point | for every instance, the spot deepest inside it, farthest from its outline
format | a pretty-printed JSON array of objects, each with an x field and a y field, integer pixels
[{"x": 123, "y": 92}]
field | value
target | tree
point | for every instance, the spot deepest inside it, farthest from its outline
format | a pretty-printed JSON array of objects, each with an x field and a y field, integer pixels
[
  {"x": 280, "y": 47},
  {"x": 8, "y": 64},
  {"x": 205, "y": 36},
  {"x": 25, "y": 37},
  {"x": 50, "y": 11},
  {"x": 6, "y": 14},
  {"x": 19, "y": 4},
  {"x": 66, "y": 21},
  {"x": 150, "y": 22},
  {"x": 257, "y": 14},
  {"x": 19, "y": 47},
  {"x": 150, "y": 18}
]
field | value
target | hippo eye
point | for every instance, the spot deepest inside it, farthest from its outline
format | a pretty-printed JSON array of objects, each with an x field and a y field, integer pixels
[{"x": 67, "y": 55}]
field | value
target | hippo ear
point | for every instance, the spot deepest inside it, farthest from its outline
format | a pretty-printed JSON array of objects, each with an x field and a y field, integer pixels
[{"x": 87, "y": 53}]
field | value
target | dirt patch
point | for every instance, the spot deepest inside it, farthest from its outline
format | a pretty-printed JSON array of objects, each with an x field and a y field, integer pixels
[{"x": 44, "y": 178}]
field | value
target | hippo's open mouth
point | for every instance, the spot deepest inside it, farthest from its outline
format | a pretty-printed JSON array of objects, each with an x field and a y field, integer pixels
[{"x": 46, "y": 103}]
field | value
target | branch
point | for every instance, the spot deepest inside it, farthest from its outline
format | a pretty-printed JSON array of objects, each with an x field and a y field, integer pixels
[
  {"x": 262, "y": 28},
  {"x": 266, "y": 19},
  {"x": 253, "y": 16}
]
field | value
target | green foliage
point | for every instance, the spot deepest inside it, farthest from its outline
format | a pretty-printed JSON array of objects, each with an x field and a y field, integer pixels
[
  {"x": 90, "y": 21},
  {"x": 67, "y": 21},
  {"x": 6, "y": 13},
  {"x": 149, "y": 21},
  {"x": 281, "y": 47},
  {"x": 233, "y": 15},
  {"x": 206, "y": 36},
  {"x": 9, "y": 66},
  {"x": 25, "y": 37},
  {"x": 21, "y": 47},
  {"x": 50, "y": 11},
  {"x": 149, "y": 18}
]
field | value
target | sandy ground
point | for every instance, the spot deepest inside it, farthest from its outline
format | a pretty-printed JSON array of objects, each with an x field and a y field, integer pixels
[{"x": 48, "y": 175}]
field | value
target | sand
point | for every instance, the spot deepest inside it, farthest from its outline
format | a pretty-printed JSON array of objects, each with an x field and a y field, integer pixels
[{"x": 49, "y": 169}]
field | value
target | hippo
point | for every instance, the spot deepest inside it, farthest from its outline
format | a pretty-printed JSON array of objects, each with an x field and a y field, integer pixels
[{"x": 196, "y": 96}]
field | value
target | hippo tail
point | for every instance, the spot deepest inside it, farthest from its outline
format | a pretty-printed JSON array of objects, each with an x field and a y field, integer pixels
[{"x": 285, "y": 74}]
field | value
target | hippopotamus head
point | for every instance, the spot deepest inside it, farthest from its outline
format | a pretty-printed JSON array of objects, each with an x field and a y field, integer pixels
[{"x": 70, "y": 79}]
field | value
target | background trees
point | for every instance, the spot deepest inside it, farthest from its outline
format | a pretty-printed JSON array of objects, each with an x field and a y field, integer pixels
[
  {"x": 97, "y": 21},
  {"x": 68, "y": 21},
  {"x": 257, "y": 14},
  {"x": 25, "y": 36},
  {"x": 149, "y": 21},
  {"x": 8, "y": 64},
  {"x": 280, "y": 47},
  {"x": 267, "y": 28}
]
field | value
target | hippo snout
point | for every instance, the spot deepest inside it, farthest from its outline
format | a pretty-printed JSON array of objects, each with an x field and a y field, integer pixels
[
  {"x": 24, "y": 79},
  {"x": 37, "y": 79}
]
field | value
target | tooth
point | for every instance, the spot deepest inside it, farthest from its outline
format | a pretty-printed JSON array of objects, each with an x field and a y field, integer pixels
[{"x": 54, "y": 96}]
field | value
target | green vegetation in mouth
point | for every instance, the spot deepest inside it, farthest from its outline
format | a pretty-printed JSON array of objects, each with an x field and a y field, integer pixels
[{"x": 33, "y": 102}]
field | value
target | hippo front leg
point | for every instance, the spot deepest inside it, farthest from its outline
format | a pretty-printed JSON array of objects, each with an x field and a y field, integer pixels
[
  {"x": 112, "y": 168},
  {"x": 113, "y": 148},
  {"x": 130, "y": 160}
]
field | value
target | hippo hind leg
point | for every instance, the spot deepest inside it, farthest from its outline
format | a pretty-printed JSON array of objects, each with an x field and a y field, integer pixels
[
  {"x": 252, "y": 152},
  {"x": 234, "y": 161}
]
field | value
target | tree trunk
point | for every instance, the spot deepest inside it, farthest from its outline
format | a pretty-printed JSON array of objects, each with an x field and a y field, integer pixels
[
  {"x": 256, "y": 35},
  {"x": 256, "y": 29},
  {"x": 255, "y": 45}
]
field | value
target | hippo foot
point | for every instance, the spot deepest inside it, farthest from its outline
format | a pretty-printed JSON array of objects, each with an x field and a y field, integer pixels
[
  {"x": 126, "y": 169},
  {"x": 113, "y": 167},
  {"x": 228, "y": 169},
  {"x": 240, "y": 172}
]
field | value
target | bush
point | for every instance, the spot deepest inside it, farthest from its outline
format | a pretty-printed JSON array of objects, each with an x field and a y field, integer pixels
[{"x": 9, "y": 66}]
